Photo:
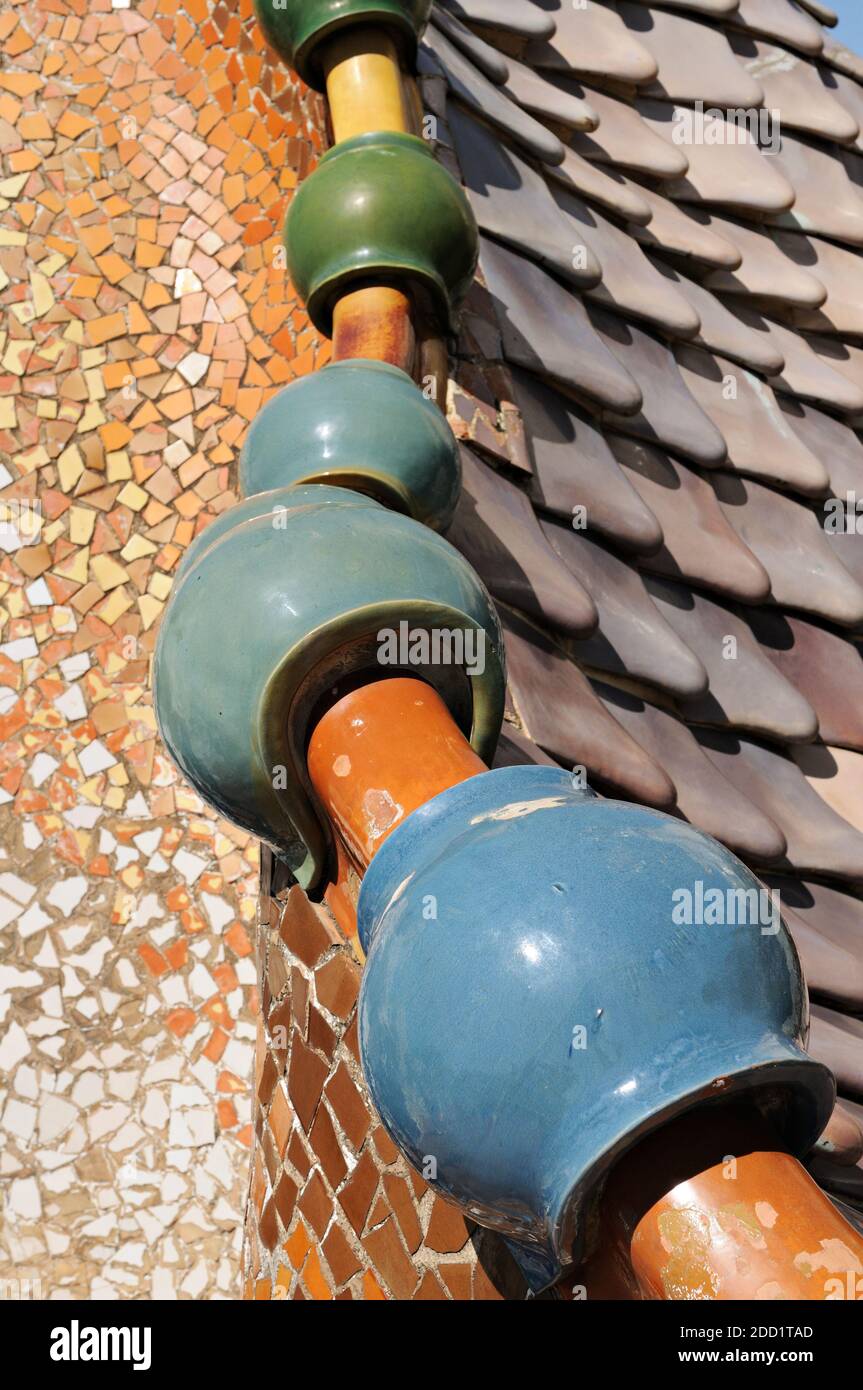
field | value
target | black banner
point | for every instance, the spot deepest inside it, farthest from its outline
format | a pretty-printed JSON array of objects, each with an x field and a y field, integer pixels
[{"x": 66, "y": 1339}]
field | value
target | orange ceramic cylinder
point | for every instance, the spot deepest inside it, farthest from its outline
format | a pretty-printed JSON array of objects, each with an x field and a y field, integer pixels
[
  {"x": 375, "y": 323},
  {"x": 749, "y": 1225},
  {"x": 379, "y": 753},
  {"x": 766, "y": 1233}
]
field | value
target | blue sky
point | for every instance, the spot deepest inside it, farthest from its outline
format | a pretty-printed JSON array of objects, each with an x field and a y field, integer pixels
[{"x": 850, "y": 28}]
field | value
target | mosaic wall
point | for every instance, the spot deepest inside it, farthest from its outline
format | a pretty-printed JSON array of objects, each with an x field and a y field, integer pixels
[
  {"x": 334, "y": 1210},
  {"x": 147, "y": 157}
]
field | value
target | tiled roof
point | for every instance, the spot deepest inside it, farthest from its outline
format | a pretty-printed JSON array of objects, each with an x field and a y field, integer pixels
[{"x": 658, "y": 389}]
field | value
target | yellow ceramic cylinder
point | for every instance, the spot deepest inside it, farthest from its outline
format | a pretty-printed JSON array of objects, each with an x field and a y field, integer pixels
[{"x": 365, "y": 87}]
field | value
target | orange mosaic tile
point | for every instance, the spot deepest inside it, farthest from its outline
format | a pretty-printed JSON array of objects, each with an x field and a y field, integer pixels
[{"x": 146, "y": 317}]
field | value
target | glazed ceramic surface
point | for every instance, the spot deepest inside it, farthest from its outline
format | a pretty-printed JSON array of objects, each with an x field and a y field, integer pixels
[
  {"x": 280, "y": 598},
  {"x": 296, "y": 28},
  {"x": 379, "y": 208},
  {"x": 530, "y": 1007},
  {"x": 357, "y": 424}
]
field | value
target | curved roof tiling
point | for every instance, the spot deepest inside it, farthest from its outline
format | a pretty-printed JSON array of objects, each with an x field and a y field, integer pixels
[{"x": 658, "y": 390}]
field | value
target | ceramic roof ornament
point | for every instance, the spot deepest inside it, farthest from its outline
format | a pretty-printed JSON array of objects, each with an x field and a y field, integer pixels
[
  {"x": 298, "y": 28},
  {"x": 526, "y": 1037},
  {"x": 466, "y": 1007},
  {"x": 380, "y": 207},
  {"x": 593, "y": 356},
  {"x": 261, "y": 622},
  {"x": 361, "y": 425}
]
